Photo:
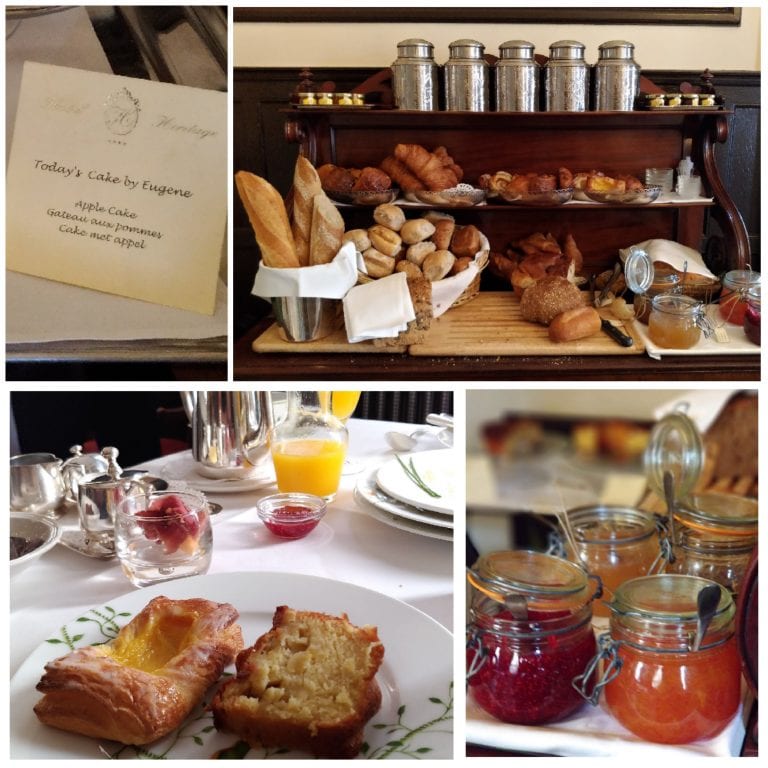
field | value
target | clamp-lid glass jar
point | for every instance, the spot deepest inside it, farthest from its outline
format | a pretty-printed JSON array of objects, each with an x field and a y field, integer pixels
[
  {"x": 752, "y": 315},
  {"x": 733, "y": 297},
  {"x": 530, "y": 634},
  {"x": 676, "y": 321},
  {"x": 668, "y": 687},
  {"x": 614, "y": 543}
]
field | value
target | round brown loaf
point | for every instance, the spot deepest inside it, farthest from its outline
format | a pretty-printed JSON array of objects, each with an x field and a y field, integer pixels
[
  {"x": 461, "y": 264},
  {"x": 389, "y": 215},
  {"x": 547, "y": 298},
  {"x": 575, "y": 324},
  {"x": 443, "y": 233},
  {"x": 385, "y": 240},
  {"x": 466, "y": 241}
]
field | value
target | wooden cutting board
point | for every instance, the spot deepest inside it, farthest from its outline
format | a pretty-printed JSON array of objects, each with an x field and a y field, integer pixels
[{"x": 490, "y": 325}]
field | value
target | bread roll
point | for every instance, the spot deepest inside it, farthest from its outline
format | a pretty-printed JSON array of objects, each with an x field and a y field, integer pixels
[
  {"x": 384, "y": 239},
  {"x": 378, "y": 264},
  {"x": 441, "y": 237},
  {"x": 412, "y": 271},
  {"x": 327, "y": 231},
  {"x": 549, "y": 297},
  {"x": 575, "y": 324},
  {"x": 466, "y": 241},
  {"x": 306, "y": 185},
  {"x": 461, "y": 264},
  {"x": 269, "y": 219},
  {"x": 417, "y": 252},
  {"x": 416, "y": 230},
  {"x": 437, "y": 265},
  {"x": 390, "y": 216},
  {"x": 359, "y": 237}
]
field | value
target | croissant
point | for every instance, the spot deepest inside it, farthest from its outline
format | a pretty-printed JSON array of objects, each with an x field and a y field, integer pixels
[
  {"x": 400, "y": 174},
  {"x": 140, "y": 686},
  {"x": 372, "y": 179},
  {"x": 426, "y": 166},
  {"x": 442, "y": 154}
]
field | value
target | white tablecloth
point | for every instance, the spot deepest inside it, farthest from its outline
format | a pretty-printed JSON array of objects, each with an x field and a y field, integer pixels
[{"x": 348, "y": 545}]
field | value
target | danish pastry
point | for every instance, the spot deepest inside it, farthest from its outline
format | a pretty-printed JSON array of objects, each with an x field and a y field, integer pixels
[
  {"x": 140, "y": 686},
  {"x": 308, "y": 684}
]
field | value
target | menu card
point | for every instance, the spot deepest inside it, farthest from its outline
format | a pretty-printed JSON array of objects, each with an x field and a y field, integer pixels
[{"x": 119, "y": 185}]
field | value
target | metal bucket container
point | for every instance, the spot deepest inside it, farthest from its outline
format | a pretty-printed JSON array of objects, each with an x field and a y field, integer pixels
[{"x": 307, "y": 319}]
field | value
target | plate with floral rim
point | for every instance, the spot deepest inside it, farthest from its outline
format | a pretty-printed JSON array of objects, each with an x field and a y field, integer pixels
[{"x": 416, "y": 678}]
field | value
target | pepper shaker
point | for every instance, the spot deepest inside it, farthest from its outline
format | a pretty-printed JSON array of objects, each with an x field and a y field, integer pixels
[
  {"x": 414, "y": 75},
  {"x": 517, "y": 77},
  {"x": 617, "y": 77},
  {"x": 566, "y": 77},
  {"x": 466, "y": 77}
]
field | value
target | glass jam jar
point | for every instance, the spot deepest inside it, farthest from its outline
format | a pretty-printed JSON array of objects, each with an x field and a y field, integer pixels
[
  {"x": 716, "y": 535},
  {"x": 530, "y": 634},
  {"x": 752, "y": 315},
  {"x": 667, "y": 689},
  {"x": 733, "y": 297},
  {"x": 614, "y": 543},
  {"x": 662, "y": 283},
  {"x": 675, "y": 321}
]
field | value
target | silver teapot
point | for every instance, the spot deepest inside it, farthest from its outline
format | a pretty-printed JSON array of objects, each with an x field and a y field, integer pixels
[{"x": 230, "y": 431}]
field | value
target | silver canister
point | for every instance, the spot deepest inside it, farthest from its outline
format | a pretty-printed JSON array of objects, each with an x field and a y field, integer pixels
[
  {"x": 466, "y": 77},
  {"x": 517, "y": 78},
  {"x": 414, "y": 76},
  {"x": 566, "y": 78},
  {"x": 617, "y": 77}
]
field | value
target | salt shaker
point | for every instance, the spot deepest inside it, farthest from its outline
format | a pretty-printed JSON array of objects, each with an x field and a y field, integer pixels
[
  {"x": 517, "y": 77},
  {"x": 566, "y": 77},
  {"x": 617, "y": 77},
  {"x": 466, "y": 77},
  {"x": 414, "y": 75}
]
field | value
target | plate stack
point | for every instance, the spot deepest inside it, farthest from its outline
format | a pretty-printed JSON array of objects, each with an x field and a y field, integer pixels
[{"x": 390, "y": 495}]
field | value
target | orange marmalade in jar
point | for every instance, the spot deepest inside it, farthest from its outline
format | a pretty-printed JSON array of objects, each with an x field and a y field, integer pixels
[
  {"x": 733, "y": 297},
  {"x": 675, "y": 321},
  {"x": 615, "y": 543},
  {"x": 667, "y": 685}
]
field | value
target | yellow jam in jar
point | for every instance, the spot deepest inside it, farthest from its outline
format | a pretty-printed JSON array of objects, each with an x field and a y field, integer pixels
[{"x": 673, "y": 322}]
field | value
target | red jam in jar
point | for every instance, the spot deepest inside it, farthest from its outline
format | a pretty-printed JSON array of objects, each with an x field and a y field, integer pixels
[
  {"x": 752, "y": 316},
  {"x": 530, "y": 635},
  {"x": 667, "y": 690},
  {"x": 733, "y": 298}
]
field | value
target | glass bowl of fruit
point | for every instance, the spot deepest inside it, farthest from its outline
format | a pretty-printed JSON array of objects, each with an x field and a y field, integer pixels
[
  {"x": 163, "y": 535},
  {"x": 291, "y": 515}
]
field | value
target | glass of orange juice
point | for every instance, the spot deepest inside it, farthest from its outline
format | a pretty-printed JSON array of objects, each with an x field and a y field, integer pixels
[{"x": 308, "y": 448}]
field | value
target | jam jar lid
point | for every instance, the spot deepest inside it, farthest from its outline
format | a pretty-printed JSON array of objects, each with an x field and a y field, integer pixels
[
  {"x": 543, "y": 581},
  {"x": 741, "y": 279},
  {"x": 610, "y": 524},
  {"x": 674, "y": 446},
  {"x": 516, "y": 49},
  {"x": 639, "y": 271},
  {"x": 719, "y": 513},
  {"x": 616, "y": 49},
  {"x": 567, "y": 49},
  {"x": 416, "y": 48},
  {"x": 661, "y": 612},
  {"x": 676, "y": 304},
  {"x": 466, "y": 49}
]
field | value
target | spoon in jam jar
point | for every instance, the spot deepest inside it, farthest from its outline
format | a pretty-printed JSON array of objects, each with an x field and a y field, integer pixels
[{"x": 706, "y": 606}]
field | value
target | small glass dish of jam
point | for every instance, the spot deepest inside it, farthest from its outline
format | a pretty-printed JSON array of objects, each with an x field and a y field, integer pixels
[{"x": 291, "y": 515}]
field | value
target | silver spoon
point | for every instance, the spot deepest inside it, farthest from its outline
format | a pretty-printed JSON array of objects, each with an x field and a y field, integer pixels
[
  {"x": 402, "y": 442},
  {"x": 706, "y": 604},
  {"x": 669, "y": 494}
]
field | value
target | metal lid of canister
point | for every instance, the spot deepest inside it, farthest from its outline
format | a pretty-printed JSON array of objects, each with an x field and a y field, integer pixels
[
  {"x": 516, "y": 49},
  {"x": 466, "y": 49},
  {"x": 564, "y": 50},
  {"x": 415, "y": 48},
  {"x": 616, "y": 49}
]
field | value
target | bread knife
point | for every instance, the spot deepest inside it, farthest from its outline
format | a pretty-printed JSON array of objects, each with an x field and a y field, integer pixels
[{"x": 616, "y": 334}]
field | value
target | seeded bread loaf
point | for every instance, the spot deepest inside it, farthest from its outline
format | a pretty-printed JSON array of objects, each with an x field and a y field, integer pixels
[{"x": 308, "y": 684}]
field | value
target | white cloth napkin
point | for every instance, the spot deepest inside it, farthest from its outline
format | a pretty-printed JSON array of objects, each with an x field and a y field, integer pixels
[
  {"x": 673, "y": 253},
  {"x": 378, "y": 310},
  {"x": 322, "y": 281},
  {"x": 447, "y": 290}
]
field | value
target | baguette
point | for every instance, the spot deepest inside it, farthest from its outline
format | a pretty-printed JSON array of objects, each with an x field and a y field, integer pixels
[
  {"x": 327, "y": 231},
  {"x": 269, "y": 219},
  {"x": 306, "y": 185},
  {"x": 575, "y": 324}
]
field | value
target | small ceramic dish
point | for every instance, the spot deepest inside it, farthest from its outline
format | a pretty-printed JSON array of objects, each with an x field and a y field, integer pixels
[
  {"x": 364, "y": 196},
  {"x": 30, "y": 537},
  {"x": 633, "y": 197},
  {"x": 555, "y": 197},
  {"x": 291, "y": 515},
  {"x": 461, "y": 196}
]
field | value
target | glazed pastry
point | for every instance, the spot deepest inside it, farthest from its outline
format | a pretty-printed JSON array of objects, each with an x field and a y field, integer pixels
[
  {"x": 308, "y": 683},
  {"x": 371, "y": 180},
  {"x": 140, "y": 686}
]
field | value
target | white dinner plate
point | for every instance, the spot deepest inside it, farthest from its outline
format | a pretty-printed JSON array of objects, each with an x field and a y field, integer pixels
[
  {"x": 181, "y": 466},
  {"x": 370, "y": 491},
  {"x": 416, "y": 715},
  {"x": 436, "y": 468},
  {"x": 420, "y": 529}
]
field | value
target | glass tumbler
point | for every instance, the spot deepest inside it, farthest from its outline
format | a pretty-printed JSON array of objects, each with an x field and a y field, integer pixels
[{"x": 164, "y": 535}]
